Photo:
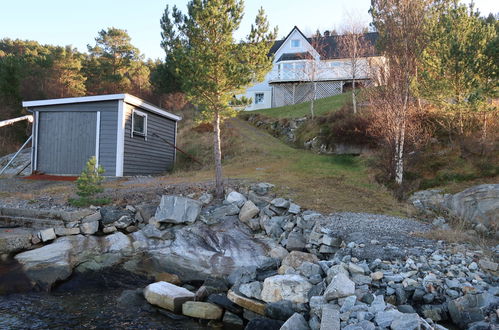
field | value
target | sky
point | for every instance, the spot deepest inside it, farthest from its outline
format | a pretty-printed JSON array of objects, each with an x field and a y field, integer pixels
[{"x": 76, "y": 23}]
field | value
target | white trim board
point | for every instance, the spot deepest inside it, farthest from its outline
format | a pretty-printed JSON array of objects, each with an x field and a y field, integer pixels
[
  {"x": 120, "y": 138},
  {"x": 97, "y": 139},
  {"x": 133, "y": 100}
]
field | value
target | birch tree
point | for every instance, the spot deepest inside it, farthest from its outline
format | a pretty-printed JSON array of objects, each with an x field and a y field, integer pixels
[
  {"x": 211, "y": 65},
  {"x": 402, "y": 28}
]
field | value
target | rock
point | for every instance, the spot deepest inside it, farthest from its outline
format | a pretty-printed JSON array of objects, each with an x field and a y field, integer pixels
[
  {"x": 280, "y": 202},
  {"x": 330, "y": 317},
  {"x": 151, "y": 231},
  {"x": 316, "y": 303},
  {"x": 406, "y": 309},
  {"x": 248, "y": 211},
  {"x": 251, "y": 290},
  {"x": 309, "y": 269},
  {"x": 167, "y": 277},
  {"x": 355, "y": 269},
  {"x": 89, "y": 228},
  {"x": 314, "y": 323},
  {"x": 232, "y": 321},
  {"x": 15, "y": 240},
  {"x": 252, "y": 305},
  {"x": 296, "y": 258},
  {"x": 340, "y": 286},
  {"x": 348, "y": 303},
  {"x": 224, "y": 302},
  {"x": 176, "y": 209},
  {"x": 488, "y": 265},
  {"x": 123, "y": 222},
  {"x": 108, "y": 230},
  {"x": 202, "y": 310},
  {"x": 331, "y": 241},
  {"x": 294, "y": 208},
  {"x": 263, "y": 324},
  {"x": 286, "y": 287},
  {"x": 131, "y": 299},
  {"x": 92, "y": 217},
  {"x": 473, "y": 266},
  {"x": 406, "y": 322},
  {"x": 242, "y": 275},
  {"x": 335, "y": 270},
  {"x": 280, "y": 310},
  {"x": 109, "y": 214},
  {"x": 47, "y": 234},
  {"x": 146, "y": 211},
  {"x": 385, "y": 319},
  {"x": 61, "y": 231},
  {"x": 469, "y": 308},
  {"x": 167, "y": 296},
  {"x": 295, "y": 322},
  {"x": 205, "y": 198},
  {"x": 262, "y": 188},
  {"x": 296, "y": 241},
  {"x": 278, "y": 252},
  {"x": 236, "y": 198}
]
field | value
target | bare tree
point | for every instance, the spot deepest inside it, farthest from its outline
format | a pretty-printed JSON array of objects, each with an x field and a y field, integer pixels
[
  {"x": 354, "y": 47},
  {"x": 401, "y": 24}
]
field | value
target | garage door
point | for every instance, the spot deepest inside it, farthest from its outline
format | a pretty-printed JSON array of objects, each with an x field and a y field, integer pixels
[{"x": 66, "y": 140}]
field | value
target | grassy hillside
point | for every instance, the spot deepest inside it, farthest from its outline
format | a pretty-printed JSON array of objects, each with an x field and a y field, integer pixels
[
  {"x": 320, "y": 182},
  {"x": 321, "y": 107}
]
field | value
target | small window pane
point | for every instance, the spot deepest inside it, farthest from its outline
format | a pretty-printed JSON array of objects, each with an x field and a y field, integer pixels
[
  {"x": 295, "y": 43},
  {"x": 139, "y": 124},
  {"x": 259, "y": 98}
]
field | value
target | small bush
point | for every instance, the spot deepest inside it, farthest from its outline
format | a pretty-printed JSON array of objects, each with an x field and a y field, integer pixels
[{"x": 88, "y": 184}]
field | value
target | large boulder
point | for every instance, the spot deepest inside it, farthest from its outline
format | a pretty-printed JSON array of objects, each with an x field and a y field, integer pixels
[
  {"x": 167, "y": 296},
  {"x": 470, "y": 308},
  {"x": 202, "y": 310},
  {"x": 14, "y": 240},
  {"x": 294, "y": 288},
  {"x": 475, "y": 205},
  {"x": 177, "y": 209}
]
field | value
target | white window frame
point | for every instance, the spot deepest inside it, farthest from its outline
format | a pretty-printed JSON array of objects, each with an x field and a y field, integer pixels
[
  {"x": 298, "y": 41},
  {"x": 263, "y": 98},
  {"x": 144, "y": 115}
]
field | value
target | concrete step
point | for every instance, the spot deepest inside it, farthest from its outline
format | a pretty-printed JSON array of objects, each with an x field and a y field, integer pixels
[{"x": 26, "y": 222}]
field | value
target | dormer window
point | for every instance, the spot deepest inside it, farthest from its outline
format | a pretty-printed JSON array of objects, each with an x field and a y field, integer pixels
[{"x": 295, "y": 43}]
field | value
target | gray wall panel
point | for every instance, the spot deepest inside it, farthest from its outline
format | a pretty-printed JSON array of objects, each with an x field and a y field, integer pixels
[
  {"x": 107, "y": 142},
  {"x": 151, "y": 155}
]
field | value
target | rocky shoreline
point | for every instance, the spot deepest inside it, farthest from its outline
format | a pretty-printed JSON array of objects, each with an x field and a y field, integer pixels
[{"x": 256, "y": 261}]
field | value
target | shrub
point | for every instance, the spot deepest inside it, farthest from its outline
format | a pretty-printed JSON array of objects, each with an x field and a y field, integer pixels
[{"x": 89, "y": 184}]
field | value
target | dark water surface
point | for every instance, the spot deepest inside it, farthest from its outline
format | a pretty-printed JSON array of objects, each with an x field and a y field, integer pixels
[{"x": 87, "y": 300}]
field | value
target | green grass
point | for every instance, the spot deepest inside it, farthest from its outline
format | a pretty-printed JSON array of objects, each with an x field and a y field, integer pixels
[{"x": 321, "y": 107}]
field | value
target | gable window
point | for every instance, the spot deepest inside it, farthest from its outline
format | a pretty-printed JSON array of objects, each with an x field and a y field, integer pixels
[
  {"x": 259, "y": 97},
  {"x": 139, "y": 123},
  {"x": 295, "y": 43}
]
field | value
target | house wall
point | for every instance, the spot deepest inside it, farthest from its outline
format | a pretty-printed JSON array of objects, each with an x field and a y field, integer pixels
[
  {"x": 107, "y": 140},
  {"x": 148, "y": 155}
]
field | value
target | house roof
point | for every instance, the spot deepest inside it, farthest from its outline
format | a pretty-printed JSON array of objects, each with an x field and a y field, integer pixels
[
  {"x": 295, "y": 56},
  {"x": 329, "y": 45},
  {"x": 127, "y": 98}
]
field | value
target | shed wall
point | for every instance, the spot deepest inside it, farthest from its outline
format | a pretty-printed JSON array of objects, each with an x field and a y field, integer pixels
[{"x": 148, "y": 155}]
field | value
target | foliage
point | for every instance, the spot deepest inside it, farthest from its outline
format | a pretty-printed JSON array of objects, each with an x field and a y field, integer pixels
[
  {"x": 459, "y": 68},
  {"x": 243, "y": 100},
  {"x": 88, "y": 184},
  {"x": 213, "y": 67},
  {"x": 115, "y": 65}
]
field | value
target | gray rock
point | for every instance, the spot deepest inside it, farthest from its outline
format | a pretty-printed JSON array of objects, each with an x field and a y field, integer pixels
[
  {"x": 15, "y": 240},
  {"x": 151, "y": 231},
  {"x": 314, "y": 323},
  {"x": 469, "y": 308},
  {"x": 385, "y": 319},
  {"x": 355, "y": 269},
  {"x": 236, "y": 198},
  {"x": 167, "y": 296},
  {"x": 335, "y": 270},
  {"x": 123, "y": 222},
  {"x": 330, "y": 317},
  {"x": 205, "y": 198},
  {"x": 280, "y": 202},
  {"x": 108, "y": 214},
  {"x": 47, "y": 234},
  {"x": 340, "y": 286},
  {"x": 60, "y": 231},
  {"x": 263, "y": 323},
  {"x": 348, "y": 303},
  {"x": 316, "y": 303},
  {"x": 262, "y": 188},
  {"x": 331, "y": 241},
  {"x": 296, "y": 241},
  {"x": 242, "y": 275},
  {"x": 295, "y": 322},
  {"x": 406, "y": 309},
  {"x": 294, "y": 208},
  {"x": 294, "y": 288},
  {"x": 378, "y": 305},
  {"x": 248, "y": 211},
  {"x": 309, "y": 269},
  {"x": 280, "y": 310},
  {"x": 406, "y": 322},
  {"x": 232, "y": 320},
  {"x": 89, "y": 228},
  {"x": 252, "y": 290},
  {"x": 177, "y": 209}
]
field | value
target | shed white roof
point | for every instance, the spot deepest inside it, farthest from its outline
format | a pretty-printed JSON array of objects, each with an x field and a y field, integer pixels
[{"x": 133, "y": 100}]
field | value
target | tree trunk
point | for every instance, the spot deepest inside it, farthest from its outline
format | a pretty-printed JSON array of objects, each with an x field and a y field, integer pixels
[
  {"x": 354, "y": 101},
  {"x": 219, "y": 187},
  {"x": 399, "y": 157}
]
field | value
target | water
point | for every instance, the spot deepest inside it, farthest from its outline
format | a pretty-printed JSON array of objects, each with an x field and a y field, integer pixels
[{"x": 84, "y": 301}]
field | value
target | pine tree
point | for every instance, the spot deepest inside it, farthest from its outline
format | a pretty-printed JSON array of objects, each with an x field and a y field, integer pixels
[{"x": 212, "y": 67}]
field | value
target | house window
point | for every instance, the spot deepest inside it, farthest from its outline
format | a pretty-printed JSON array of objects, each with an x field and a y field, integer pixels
[
  {"x": 139, "y": 123},
  {"x": 295, "y": 43},
  {"x": 259, "y": 98}
]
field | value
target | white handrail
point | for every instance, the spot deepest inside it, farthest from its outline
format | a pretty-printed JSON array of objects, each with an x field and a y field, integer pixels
[
  {"x": 15, "y": 120},
  {"x": 17, "y": 153}
]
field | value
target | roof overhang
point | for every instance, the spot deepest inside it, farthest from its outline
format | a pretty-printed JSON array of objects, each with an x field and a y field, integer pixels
[{"x": 127, "y": 98}]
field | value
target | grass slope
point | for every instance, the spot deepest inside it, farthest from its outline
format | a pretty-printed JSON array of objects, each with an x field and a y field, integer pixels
[
  {"x": 321, "y": 107},
  {"x": 320, "y": 182}
]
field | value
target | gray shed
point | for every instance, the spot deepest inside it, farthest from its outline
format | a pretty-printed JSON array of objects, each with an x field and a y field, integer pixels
[{"x": 126, "y": 134}]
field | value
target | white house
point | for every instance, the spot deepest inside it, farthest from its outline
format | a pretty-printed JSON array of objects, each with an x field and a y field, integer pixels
[{"x": 299, "y": 69}]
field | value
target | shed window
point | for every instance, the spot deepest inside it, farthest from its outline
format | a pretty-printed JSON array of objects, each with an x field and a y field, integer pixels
[
  {"x": 295, "y": 43},
  {"x": 139, "y": 123},
  {"x": 259, "y": 98}
]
